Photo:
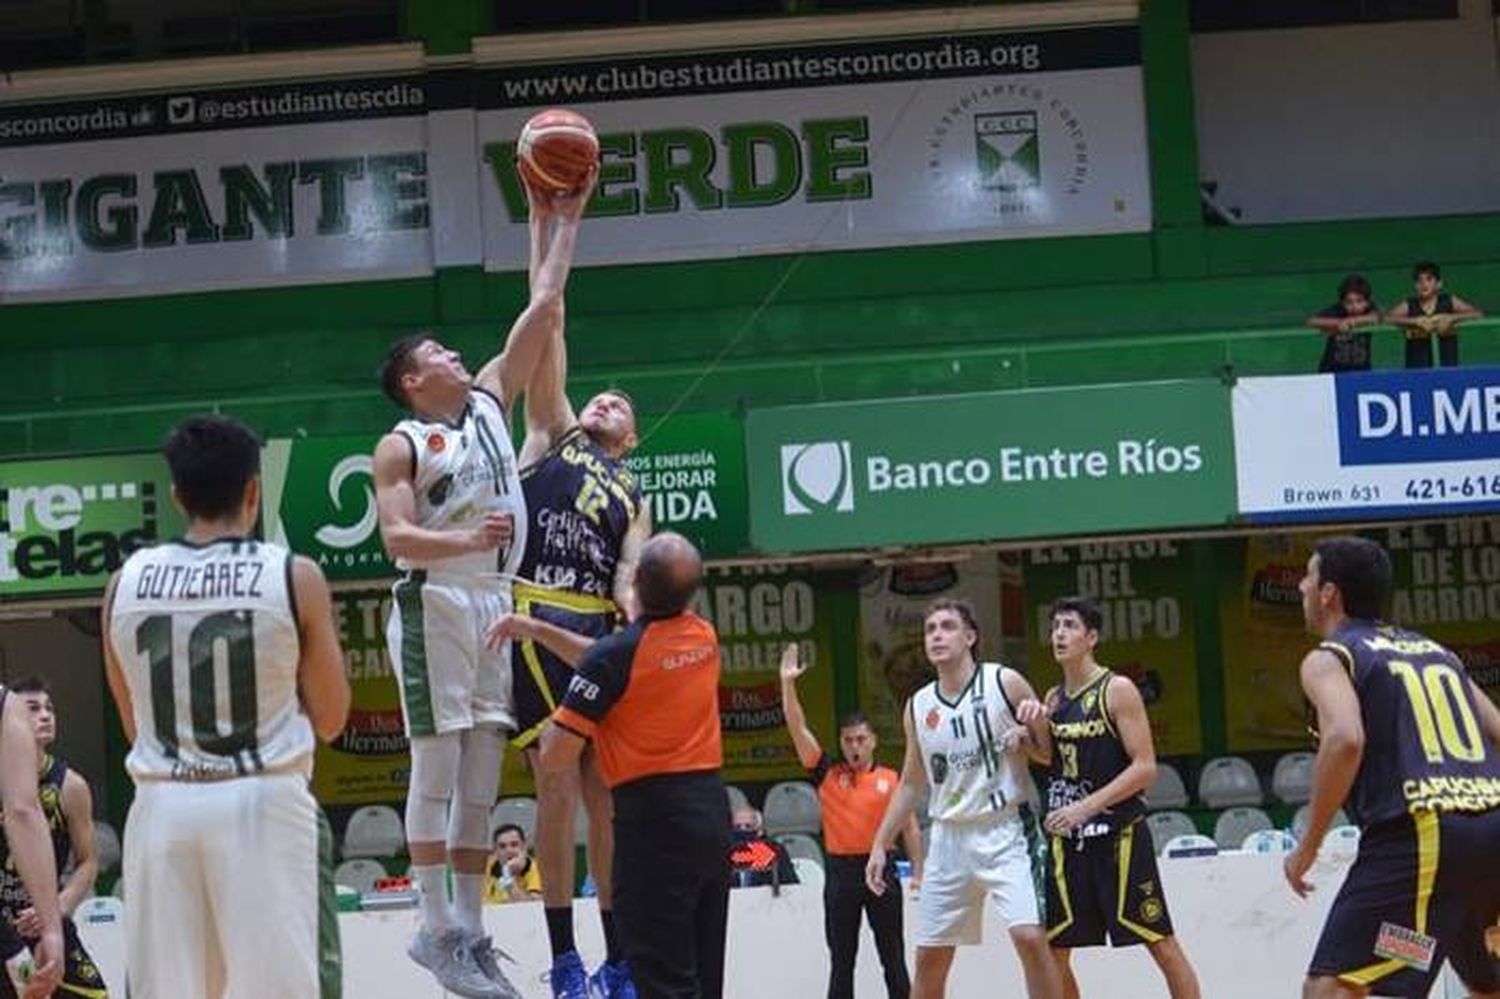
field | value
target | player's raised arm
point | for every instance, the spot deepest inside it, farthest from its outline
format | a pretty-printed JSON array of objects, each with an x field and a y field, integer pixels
[
  {"x": 320, "y": 671},
  {"x": 808, "y": 749},
  {"x": 508, "y": 374}
]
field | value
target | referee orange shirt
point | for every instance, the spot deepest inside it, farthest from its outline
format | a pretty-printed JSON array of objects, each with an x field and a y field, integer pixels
[{"x": 854, "y": 801}]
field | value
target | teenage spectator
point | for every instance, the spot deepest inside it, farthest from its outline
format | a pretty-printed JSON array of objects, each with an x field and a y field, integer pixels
[
  {"x": 756, "y": 859},
  {"x": 1431, "y": 312},
  {"x": 514, "y": 876},
  {"x": 1345, "y": 327}
]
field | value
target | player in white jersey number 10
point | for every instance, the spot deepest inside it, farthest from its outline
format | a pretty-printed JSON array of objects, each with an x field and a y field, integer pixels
[{"x": 968, "y": 737}]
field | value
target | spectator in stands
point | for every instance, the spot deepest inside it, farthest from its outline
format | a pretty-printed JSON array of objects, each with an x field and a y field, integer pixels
[
  {"x": 755, "y": 859},
  {"x": 514, "y": 875},
  {"x": 1431, "y": 312},
  {"x": 1345, "y": 327}
]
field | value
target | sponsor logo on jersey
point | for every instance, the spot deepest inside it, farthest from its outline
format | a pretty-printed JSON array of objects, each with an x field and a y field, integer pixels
[
  {"x": 436, "y": 443},
  {"x": 933, "y": 720}
]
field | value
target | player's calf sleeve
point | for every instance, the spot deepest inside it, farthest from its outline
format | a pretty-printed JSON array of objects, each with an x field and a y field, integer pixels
[
  {"x": 434, "y": 772},
  {"x": 474, "y": 795}
]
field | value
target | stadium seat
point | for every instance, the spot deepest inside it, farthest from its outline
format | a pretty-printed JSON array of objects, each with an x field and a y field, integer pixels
[
  {"x": 1229, "y": 781},
  {"x": 1168, "y": 790},
  {"x": 98, "y": 910},
  {"x": 519, "y": 811},
  {"x": 1269, "y": 841},
  {"x": 793, "y": 807},
  {"x": 1168, "y": 825},
  {"x": 1291, "y": 782},
  {"x": 1299, "y": 821},
  {"x": 374, "y": 831},
  {"x": 1236, "y": 824},
  {"x": 800, "y": 845},
  {"x": 1190, "y": 845},
  {"x": 107, "y": 842},
  {"x": 1341, "y": 841},
  {"x": 360, "y": 874},
  {"x": 737, "y": 798},
  {"x": 809, "y": 872}
]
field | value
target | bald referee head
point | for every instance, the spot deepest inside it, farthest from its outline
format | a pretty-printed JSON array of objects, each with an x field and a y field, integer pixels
[{"x": 669, "y": 572}]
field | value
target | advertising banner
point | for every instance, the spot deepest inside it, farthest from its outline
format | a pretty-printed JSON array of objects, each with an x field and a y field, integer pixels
[
  {"x": 290, "y": 183},
  {"x": 1368, "y": 445},
  {"x": 990, "y": 466},
  {"x": 1145, "y": 589},
  {"x": 691, "y": 469},
  {"x": 319, "y": 497},
  {"x": 66, "y": 524},
  {"x": 836, "y": 144}
]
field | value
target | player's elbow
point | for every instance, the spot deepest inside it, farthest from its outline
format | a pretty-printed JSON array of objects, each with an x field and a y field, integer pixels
[
  {"x": 1341, "y": 741},
  {"x": 331, "y": 715}
]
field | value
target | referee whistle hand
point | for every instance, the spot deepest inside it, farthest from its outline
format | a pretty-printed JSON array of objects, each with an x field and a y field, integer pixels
[
  {"x": 875, "y": 871},
  {"x": 1295, "y": 867}
]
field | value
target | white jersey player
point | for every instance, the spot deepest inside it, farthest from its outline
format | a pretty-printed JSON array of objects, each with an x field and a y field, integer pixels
[
  {"x": 223, "y": 660},
  {"x": 453, "y": 517},
  {"x": 967, "y": 738}
]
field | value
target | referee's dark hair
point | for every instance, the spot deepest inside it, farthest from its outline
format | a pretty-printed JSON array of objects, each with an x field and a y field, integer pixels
[
  {"x": 1361, "y": 570},
  {"x": 668, "y": 574},
  {"x": 1087, "y": 609}
]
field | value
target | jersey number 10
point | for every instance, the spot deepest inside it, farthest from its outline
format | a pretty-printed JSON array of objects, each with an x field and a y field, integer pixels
[
  {"x": 1435, "y": 692},
  {"x": 234, "y": 632}
]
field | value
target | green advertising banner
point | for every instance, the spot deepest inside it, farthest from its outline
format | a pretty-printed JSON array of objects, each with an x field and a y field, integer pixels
[
  {"x": 691, "y": 468},
  {"x": 990, "y": 466},
  {"x": 1145, "y": 589},
  {"x": 370, "y": 762},
  {"x": 319, "y": 497},
  {"x": 66, "y": 524}
]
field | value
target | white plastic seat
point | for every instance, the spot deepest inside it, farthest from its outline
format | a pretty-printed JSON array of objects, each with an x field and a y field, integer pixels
[
  {"x": 107, "y": 845},
  {"x": 1291, "y": 781},
  {"x": 1190, "y": 845},
  {"x": 1168, "y": 790},
  {"x": 99, "y": 910},
  {"x": 1165, "y": 826},
  {"x": 514, "y": 811},
  {"x": 359, "y": 874},
  {"x": 803, "y": 846},
  {"x": 793, "y": 807},
  {"x": 1237, "y": 823},
  {"x": 737, "y": 798},
  {"x": 374, "y": 831},
  {"x": 1299, "y": 821},
  {"x": 1341, "y": 841},
  {"x": 1228, "y": 782},
  {"x": 1269, "y": 841},
  {"x": 809, "y": 872}
]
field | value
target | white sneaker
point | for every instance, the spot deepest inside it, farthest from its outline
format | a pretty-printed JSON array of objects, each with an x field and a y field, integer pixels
[
  {"x": 449, "y": 955},
  {"x": 484, "y": 951}
]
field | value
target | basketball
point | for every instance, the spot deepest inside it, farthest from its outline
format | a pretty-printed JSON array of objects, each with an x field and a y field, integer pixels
[{"x": 556, "y": 151}]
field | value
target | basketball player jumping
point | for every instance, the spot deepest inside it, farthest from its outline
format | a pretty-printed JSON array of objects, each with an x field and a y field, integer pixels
[
  {"x": 966, "y": 747},
  {"x": 453, "y": 517}
]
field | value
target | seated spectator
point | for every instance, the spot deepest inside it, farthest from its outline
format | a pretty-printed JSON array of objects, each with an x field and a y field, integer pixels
[
  {"x": 1345, "y": 326},
  {"x": 1431, "y": 312},
  {"x": 513, "y": 875},
  {"x": 755, "y": 859}
]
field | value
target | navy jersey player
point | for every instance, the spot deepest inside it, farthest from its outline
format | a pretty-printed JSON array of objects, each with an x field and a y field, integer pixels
[{"x": 1410, "y": 743}]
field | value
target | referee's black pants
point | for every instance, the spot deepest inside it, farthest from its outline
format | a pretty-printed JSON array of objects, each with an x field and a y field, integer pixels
[
  {"x": 845, "y": 899},
  {"x": 671, "y": 883}
]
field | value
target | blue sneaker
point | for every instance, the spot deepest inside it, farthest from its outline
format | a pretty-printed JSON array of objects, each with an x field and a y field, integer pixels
[
  {"x": 612, "y": 981},
  {"x": 567, "y": 977}
]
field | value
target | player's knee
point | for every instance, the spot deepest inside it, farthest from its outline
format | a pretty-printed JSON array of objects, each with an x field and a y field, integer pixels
[
  {"x": 434, "y": 771},
  {"x": 1030, "y": 937},
  {"x": 1325, "y": 987}
]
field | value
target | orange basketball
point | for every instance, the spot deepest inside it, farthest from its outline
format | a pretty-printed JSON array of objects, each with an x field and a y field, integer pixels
[{"x": 556, "y": 151}]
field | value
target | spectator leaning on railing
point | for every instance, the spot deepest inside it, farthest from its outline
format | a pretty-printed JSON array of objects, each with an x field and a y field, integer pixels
[
  {"x": 1346, "y": 327},
  {"x": 1431, "y": 312}
]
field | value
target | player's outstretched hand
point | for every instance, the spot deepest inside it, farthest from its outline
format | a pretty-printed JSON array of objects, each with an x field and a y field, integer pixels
[
  {"x": 1030, "y": 710},
  {"x": 1015, "y": 739},
  {"x": 792, "y": 665},
  {"x": 875, "y": 871},
  {"x": 505, "y": 628},
  {"x": 569, "y": 205},
  {"x": 1296, "y": 866},
  {"x": 47, "y": 964},
  {"x": 494, "y": 531}
]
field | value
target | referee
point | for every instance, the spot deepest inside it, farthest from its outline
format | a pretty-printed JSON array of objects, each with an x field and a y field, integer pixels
[
  {"x": 855, "y": 794},
  {"x": 648, "y": 698}
]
